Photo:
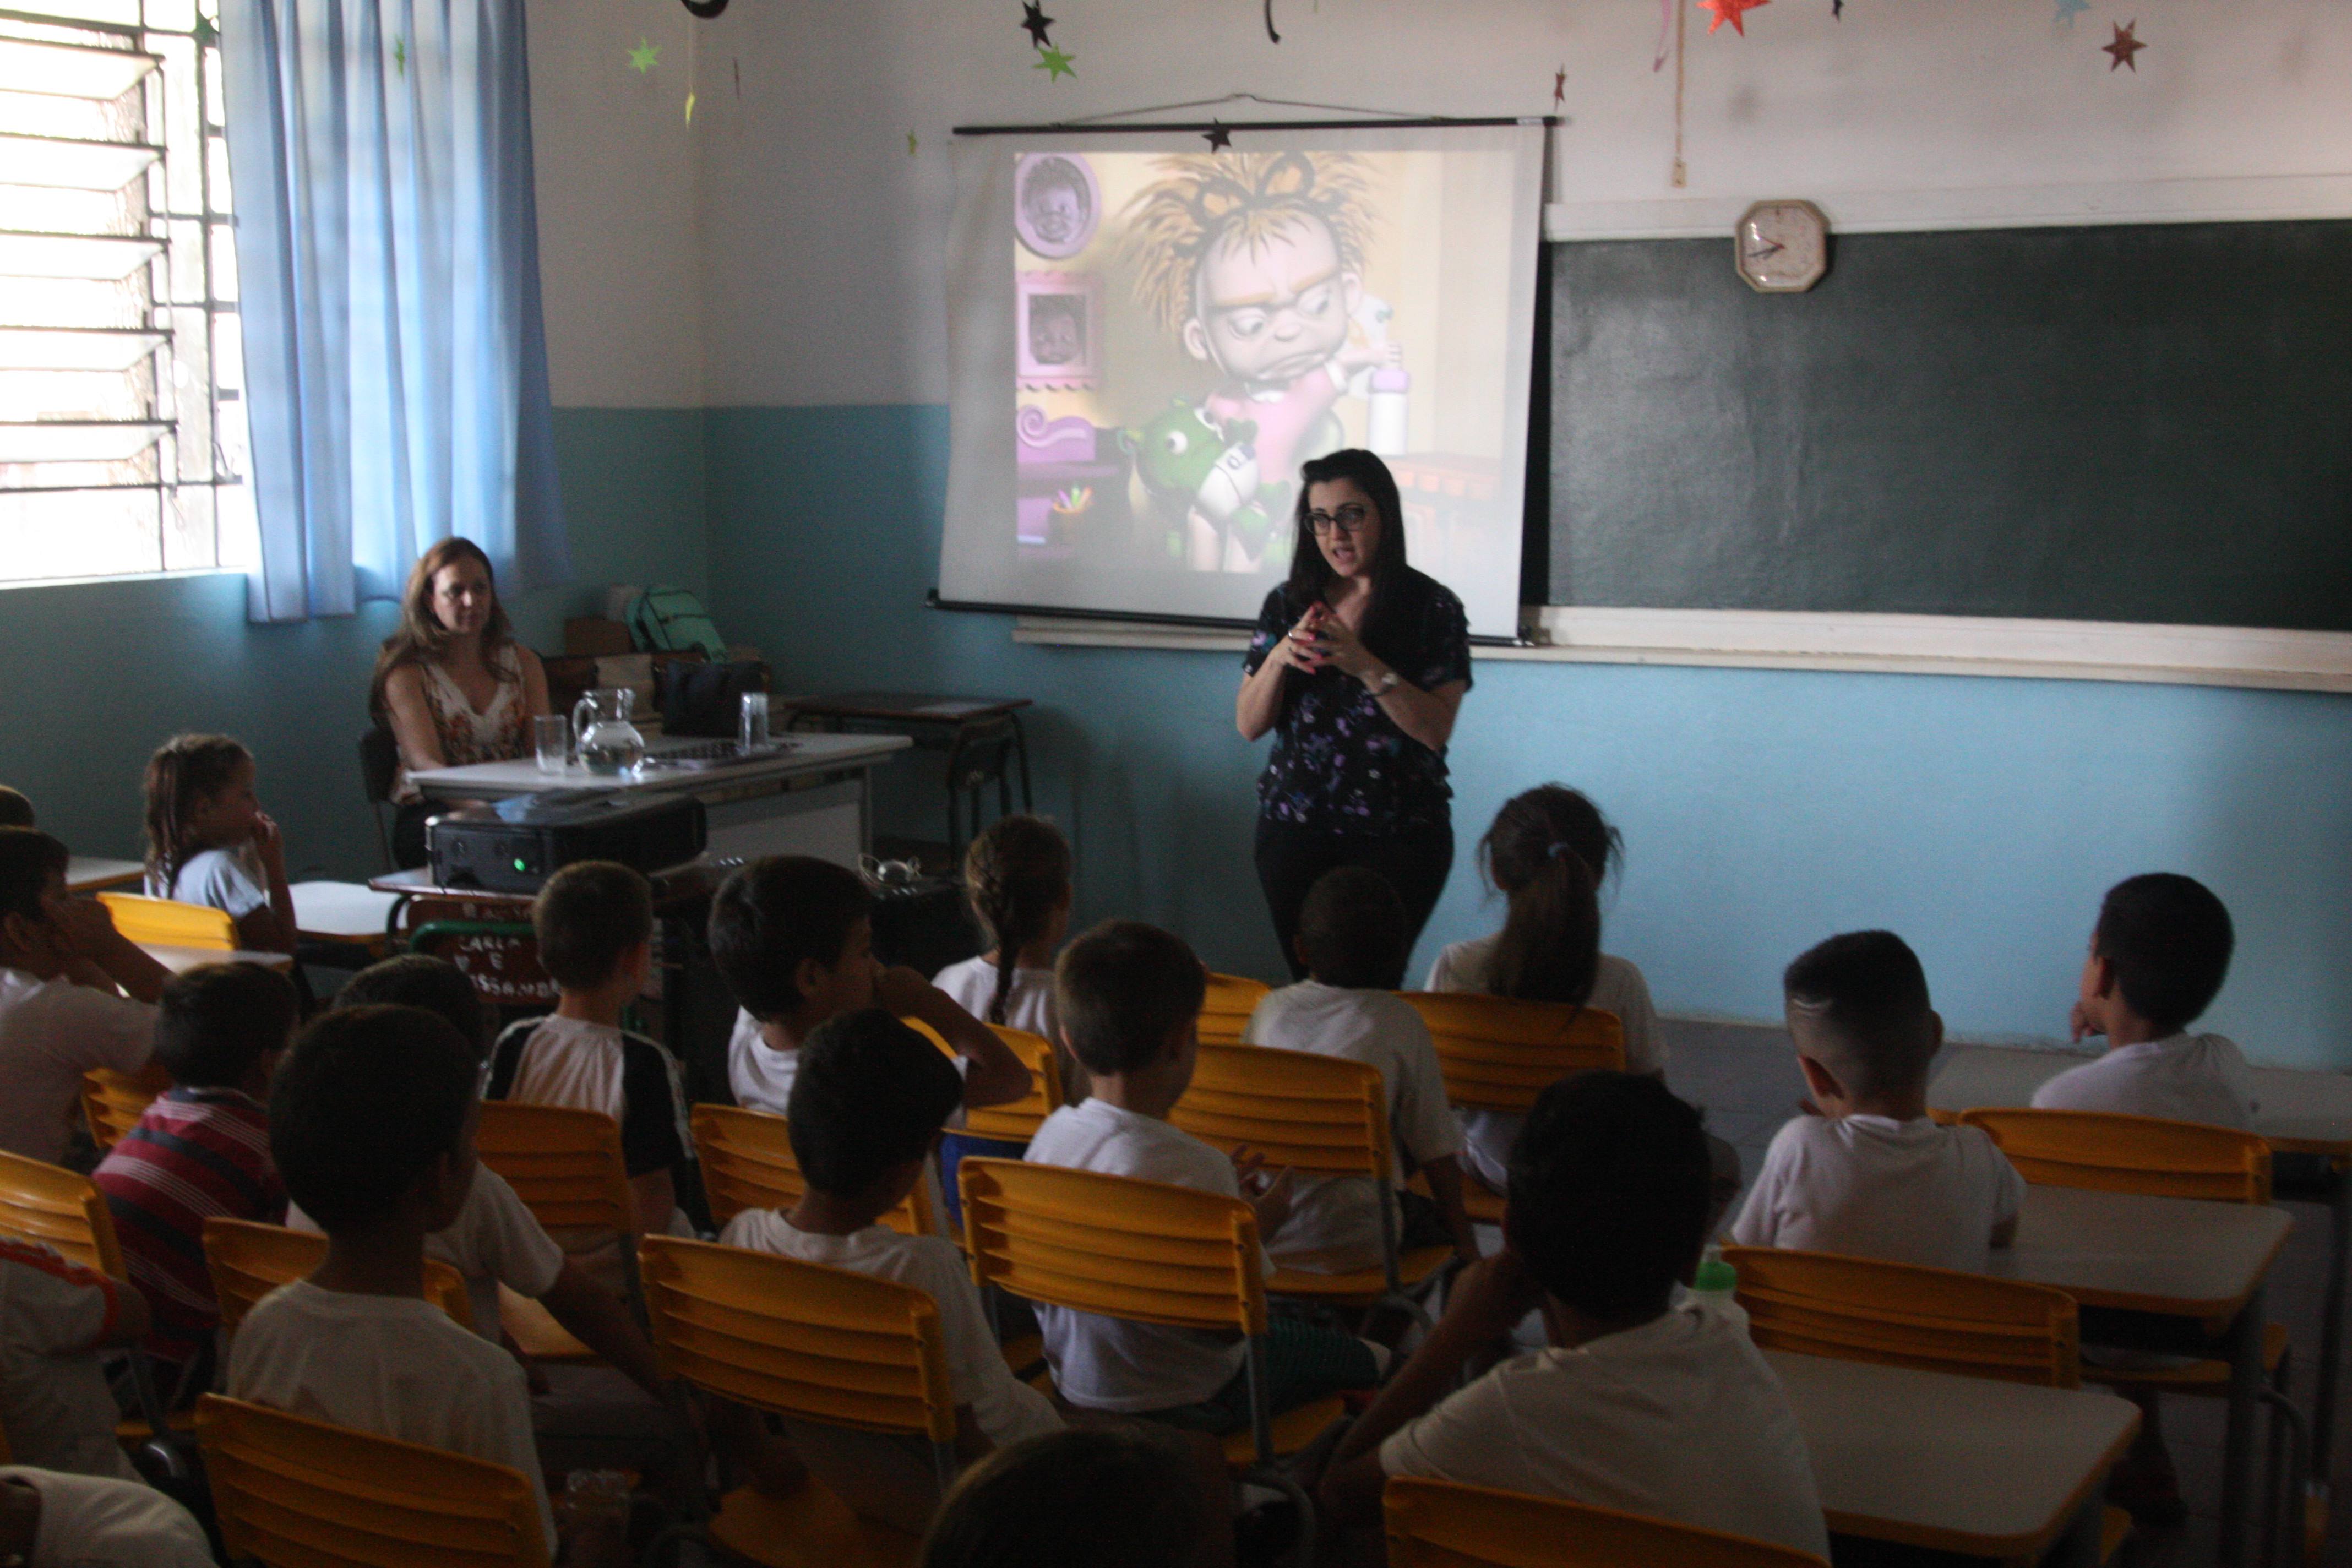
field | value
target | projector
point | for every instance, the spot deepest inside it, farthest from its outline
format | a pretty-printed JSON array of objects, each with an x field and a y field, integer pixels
[{"x": 513, "y": 845}]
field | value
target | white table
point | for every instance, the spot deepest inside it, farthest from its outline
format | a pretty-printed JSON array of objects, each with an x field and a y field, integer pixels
[
  {"x": 345, "y": 911},
  {"x": 180, "y": 960},
  {"x": 1970, "y": 1465},
  {"x": 2172, "y": 1257},
  {"x": 808, "y": 798},
  {"x": 87, "y": 873},
  {"x": 2298, "y": 1112}
]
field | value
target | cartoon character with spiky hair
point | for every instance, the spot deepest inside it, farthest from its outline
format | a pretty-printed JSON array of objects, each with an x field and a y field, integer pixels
[{"x": 1255, "y": 262}]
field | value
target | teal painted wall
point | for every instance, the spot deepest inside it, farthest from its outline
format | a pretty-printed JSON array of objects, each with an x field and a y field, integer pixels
[
  {"x": 1762, "y": 809},
  {"x": 98, "y": 674}
]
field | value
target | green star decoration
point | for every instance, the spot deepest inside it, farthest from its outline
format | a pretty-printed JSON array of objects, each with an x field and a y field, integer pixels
[
  {"x": 400, "y": 54},
  {"x": 1056, "y": 62},
  {"x": 645, "y": 56},
  {"x": 206, "y": 33},
  {"x": 910, "y": 143}
]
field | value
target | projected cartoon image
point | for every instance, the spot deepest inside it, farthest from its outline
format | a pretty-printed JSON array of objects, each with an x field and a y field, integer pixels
[{"x": 1058, "y": 205}]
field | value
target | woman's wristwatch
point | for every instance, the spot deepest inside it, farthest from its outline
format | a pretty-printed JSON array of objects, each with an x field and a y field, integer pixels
[{"x": 1388, "y": 681}]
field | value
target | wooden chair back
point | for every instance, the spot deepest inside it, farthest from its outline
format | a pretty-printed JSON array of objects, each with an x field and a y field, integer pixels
[
  {"x": 1498, "y": 1053},
  {"x": 747, "y": 1164},
  {"x": 2108, "y": 1153},
  {"x": 1897, "y": 1314},
  {"x": 1446, "y": 1524}
]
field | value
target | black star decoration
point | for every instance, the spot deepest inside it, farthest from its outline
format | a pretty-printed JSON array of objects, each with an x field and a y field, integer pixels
[
  {"x": 1218, "y": 138},
  {"x": 1034, "y": 17},
  {"x": 1837, "y": 10}
]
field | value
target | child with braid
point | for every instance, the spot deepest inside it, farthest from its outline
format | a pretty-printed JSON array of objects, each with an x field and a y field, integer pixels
[{"x": 1017, "y": 875}]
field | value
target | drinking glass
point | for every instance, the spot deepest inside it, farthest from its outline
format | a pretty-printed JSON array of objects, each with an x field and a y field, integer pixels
[
  {"x": 754, "y": 736},
  {"x": 551, "y": 735}
]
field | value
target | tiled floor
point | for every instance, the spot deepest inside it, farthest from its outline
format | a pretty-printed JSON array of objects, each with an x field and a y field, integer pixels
[{"x": 1745, "y": 1079}]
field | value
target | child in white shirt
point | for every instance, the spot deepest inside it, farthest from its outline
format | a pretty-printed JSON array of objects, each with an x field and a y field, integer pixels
[
  {"x": 1353, "y": 937},
  {"x": 869, "y": 1103},
  {"x": 1548, "y": 851},
  {"x": 1018, "y": 874},
  {"x": 50, "y": 1520},
  {"x": 209, "y": 842},
  {"x": 60, "y": 960},
  {"x": 1636, "y": 1405},
  {"x": 2159, "y": 956},
  {"x": 1128, "y": 995},
  {"x": 54, "y": 1318},
  {"x": 1871, "y": 1175}
]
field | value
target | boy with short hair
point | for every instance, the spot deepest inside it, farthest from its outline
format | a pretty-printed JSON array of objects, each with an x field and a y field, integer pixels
[
  {"x": 1668, "y": 1412},
  {"x": 793, "y": 938},
  {"x": 372, "y": 1123},
  {"x": 595, "y": 922},
  {"x": 2157, "y": 958},
  {"x": 1872, "y": 1175},
  {"x": 202, "y": 1148},
  {"x": 55, "y": 1318},
  {"x": 1354, "y": 939},
  {"x": 61, "y": 958},
  {"x": 869, "y": 1099},
  {"x": 1128, "y": 996}
]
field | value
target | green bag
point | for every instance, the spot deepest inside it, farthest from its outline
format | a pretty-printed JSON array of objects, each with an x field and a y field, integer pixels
[{"x": 671, "y": 620}]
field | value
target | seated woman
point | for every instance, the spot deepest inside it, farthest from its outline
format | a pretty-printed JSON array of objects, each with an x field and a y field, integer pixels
[{"x": 453, "y": 684}]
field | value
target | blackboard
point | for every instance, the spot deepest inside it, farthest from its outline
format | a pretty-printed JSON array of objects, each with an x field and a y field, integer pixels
[{"x": 2132, "y": 423}]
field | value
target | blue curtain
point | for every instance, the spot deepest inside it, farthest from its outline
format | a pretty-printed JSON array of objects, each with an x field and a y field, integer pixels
[{"x": 387, "y": 248}]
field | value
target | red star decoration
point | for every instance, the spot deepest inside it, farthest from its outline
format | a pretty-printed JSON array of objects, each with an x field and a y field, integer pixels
[
  {"x": 1560, "y": 86},
  {"x": 1730, "y": 11},
  {"x": 2124, "y": 47}
]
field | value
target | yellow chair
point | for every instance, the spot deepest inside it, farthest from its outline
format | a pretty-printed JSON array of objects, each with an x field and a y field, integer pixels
[
  {"x": 113, "y": 1102},
  {"x": 168, "y": 923},
  {"x": 1226, "y": 1007},
  {"x": 1321, "y": 1116},
  {"x": 1497, "y": 1053},
  {"x": 747, "y": 1164},
  {"x": 1017, "y": 1121},
  {"x": 291, "y": 1492},
  {"x": 1147, "y": 1250},
  {"x": 1446, "y": 1524},
  {"x": 565, "y": 1165},
  {"x": 809, "y": 1344},
  {"x": 248, "y": 1260},
  {"x": 67, "y": 1213},
  {"x": 1899, "y": 1314}
]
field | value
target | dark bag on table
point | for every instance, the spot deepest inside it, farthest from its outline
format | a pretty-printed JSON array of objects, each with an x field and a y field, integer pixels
[{"x": 707, "y": 699}]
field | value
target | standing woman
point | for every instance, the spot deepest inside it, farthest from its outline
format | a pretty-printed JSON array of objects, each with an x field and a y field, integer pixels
[
  {"x": 453, "y": 684},
  {"x": 1358, "y": 667}
]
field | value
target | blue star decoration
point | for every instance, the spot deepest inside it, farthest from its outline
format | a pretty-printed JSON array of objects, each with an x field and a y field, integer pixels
[
  {"x": 1054, "y": 63},
  {"x": 2124, "y": 47},
  {"x": 1034, "y": 17},
  {"x": 1218, "y": 137},
  {"x": 2070, "y": 9}
]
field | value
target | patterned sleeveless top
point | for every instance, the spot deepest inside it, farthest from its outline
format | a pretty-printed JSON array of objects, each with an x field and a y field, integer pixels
[{"x": 499, "y": 733}]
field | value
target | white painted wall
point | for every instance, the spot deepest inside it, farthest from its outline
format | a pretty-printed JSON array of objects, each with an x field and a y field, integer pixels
[{"x": 821, "y": 236}]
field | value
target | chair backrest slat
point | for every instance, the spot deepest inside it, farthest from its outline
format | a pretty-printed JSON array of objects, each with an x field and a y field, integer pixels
[
  {"x": 747, "y": 1164},
  {"x": 1498, "y": 1053},
  {"x": 248, "y": 1260},
  {"x": 1321, "y": 1116},
  {"x": 113, "y": 1102},
  {"x": 1017, "y": 1121},
  {"x": 1446, "y": 1524},
  {"x": 2105, "y": 1152},
  {"x": 62, "y": 1211},
  {"x": 564, "y": 1163},
  {"x": 168, "y": 923},
  {"x": 1226, "y": 1007}
]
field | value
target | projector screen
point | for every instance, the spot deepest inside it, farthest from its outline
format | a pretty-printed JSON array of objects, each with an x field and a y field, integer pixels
[{"x": 1148, "y": 337}]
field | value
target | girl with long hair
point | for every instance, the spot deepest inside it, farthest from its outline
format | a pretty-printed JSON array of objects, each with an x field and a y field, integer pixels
[{"x": 209, "y": 842}]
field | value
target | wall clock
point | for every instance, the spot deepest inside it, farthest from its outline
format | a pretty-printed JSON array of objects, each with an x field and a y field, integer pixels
[{"x": 1781, "y": 246}]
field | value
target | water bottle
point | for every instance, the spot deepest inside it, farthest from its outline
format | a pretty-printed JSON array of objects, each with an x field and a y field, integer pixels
[{"x": 1713, "y": 1288}]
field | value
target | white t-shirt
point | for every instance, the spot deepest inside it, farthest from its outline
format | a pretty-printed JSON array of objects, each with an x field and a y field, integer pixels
[
  {"x": 229, "y": 879},
  {"x": 1871, "y": 1186},
  {"x": 1334, "y": 1224},
  {"x": 54, "y": 1403},
  {"x": 1617, "y": 987},
  {"x": 52, "y": 1032},
  {"x": 1006, "y": 1408},
  {"x": 1028, "y": 1005},
  {"x": 1109, "y": 1364},
  {"x": 2181, "y": 1078},
  {"x": 1679, "y": 1419},
  {"x": 89, "y": 1521},
  {"x": 494, "y": 1241},
  {"x": 760, "y": 1075},
  {"x": 393, "y": 1365}
]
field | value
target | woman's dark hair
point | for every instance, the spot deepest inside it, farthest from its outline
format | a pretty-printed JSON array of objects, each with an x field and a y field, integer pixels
[
  {"x": 184, "y": 772},
  {"x": 1310, "y": 575},
  {"x": 422, "y": 639},
  {"x": 1014, "y": 874},
  {"x": 1547, "y": 851}
]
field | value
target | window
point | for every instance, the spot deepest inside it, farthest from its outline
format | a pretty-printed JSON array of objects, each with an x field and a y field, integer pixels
[{"x": 122, "y": 435}]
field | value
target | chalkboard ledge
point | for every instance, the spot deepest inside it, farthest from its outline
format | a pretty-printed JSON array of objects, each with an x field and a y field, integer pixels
[{"x": 1945, "y": 645}]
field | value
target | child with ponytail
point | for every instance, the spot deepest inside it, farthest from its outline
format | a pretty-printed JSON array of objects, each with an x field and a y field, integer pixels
[
  {"x": 209, "y": 842},
  {"x": 1547, "y": 852},
  {"x": 1017, "y": 875}
]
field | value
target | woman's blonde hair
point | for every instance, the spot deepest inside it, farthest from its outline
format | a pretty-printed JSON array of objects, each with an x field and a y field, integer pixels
[{"x": 422, "y": 639}]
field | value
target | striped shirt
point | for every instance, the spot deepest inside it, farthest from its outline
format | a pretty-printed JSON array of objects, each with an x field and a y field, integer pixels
[{"x": 197, "y": 1153}]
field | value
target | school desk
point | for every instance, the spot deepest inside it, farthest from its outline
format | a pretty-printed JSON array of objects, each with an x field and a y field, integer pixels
[
  {"x": 2308, "y": 1113},
  {"x": 1972, "y": 1465},
  {"x": 180, "y": 960},
  {"x": 981, "y": 736},
  {"x": 2196, "y": 1267},
  {"x": 345, "y": 913},
  {"x": 88, "y": 874},
  {"x": 808, "y": 798}
]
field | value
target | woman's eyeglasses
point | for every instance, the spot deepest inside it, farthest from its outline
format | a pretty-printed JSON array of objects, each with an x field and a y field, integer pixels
[{"x": 1349, "y": 520}]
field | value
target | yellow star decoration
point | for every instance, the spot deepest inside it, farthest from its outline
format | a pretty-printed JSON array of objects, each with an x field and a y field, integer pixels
[
  {"x": 645, "y": 56},
  {"x": 1056, "y": 63}
]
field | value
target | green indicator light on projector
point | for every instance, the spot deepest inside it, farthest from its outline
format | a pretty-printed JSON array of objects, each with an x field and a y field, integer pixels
[{"x": 519, "y": 866}]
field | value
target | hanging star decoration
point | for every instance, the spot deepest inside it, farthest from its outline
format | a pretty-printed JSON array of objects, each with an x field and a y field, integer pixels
[
  {"x": 2070, "y": 9},
  {"x": 1837, "y": 10},
  {"x": 645, "y": 56},
  {"x": 706, "y": 9},
  {"x": 2124, "y": 47},
  {"x": 910, "y": 143},
  {"x": 206, "y": 31},
  {"x": 1034, "y": 17},
  {"x": 1731, "y": 11},
  {"x": 400, "y": 54},
  {"x": 1560, "y": 86},
  {"x": 1218, "y": 137},
  {"x": 689, "y": 108},
  {"x": 1056, "y": 63}
]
